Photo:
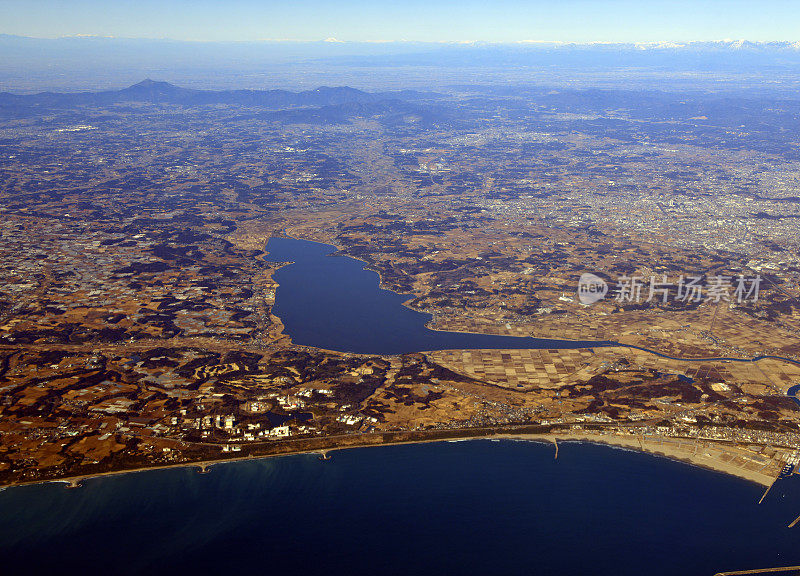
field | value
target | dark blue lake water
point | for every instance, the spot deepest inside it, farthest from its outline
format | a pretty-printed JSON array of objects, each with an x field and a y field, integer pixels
[
  {"x": 332, "y": 302},
  {"x": 477, "y": 507}
]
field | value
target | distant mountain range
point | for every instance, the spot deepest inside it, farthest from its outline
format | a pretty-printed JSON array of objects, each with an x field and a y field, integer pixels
[
  {"x": 66, "y": 64},
  {"x": 720, "y": 45},
  {"x": 165, "y": 93},
  {"x": 404, "y": 46}
]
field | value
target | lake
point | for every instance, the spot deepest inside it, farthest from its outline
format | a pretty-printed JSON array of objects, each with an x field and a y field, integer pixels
[{"x": 332, "y": 302}]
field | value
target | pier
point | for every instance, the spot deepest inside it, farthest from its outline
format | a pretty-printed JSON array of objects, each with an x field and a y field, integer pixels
[{"x": 770, "y": 487}]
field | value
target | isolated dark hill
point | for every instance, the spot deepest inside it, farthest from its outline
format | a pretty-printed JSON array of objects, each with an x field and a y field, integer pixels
[{"x": 151, "y": 91}]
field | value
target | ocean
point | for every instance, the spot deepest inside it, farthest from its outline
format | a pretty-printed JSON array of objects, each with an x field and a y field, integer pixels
[{"x": 469, "y": 507}]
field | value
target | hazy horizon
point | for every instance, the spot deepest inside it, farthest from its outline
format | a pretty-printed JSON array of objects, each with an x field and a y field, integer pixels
[
  {"x": 86, "y": 45},
  {"x": 410, "y": 20}
]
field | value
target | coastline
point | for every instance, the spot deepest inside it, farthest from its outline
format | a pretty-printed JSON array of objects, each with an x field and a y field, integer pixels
[
  {"x": 674, "y": 449},
  {"x": 718, "y": 456},
  {"x": 670, "y": 448},
  {"x": 714, "y": 455}
]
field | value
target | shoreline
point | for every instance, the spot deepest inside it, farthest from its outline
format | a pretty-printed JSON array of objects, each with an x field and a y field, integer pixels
[
  {"x": 751, "y": 465},
  {"x": 381, "y": 286},
  {"x": 665, "y": 447},
  {"x": 589, "y": 344}
]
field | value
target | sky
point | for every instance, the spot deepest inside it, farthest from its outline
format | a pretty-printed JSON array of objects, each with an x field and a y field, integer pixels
[{"x": 409, "y": 20}]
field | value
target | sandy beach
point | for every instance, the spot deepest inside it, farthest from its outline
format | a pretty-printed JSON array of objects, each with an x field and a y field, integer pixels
[{"x": 720, "y": 457}]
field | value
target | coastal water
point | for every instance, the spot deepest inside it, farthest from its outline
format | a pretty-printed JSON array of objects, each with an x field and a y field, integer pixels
[
  {"x": 334, "y": 303},
  {"x": 476, "y": 507}
]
